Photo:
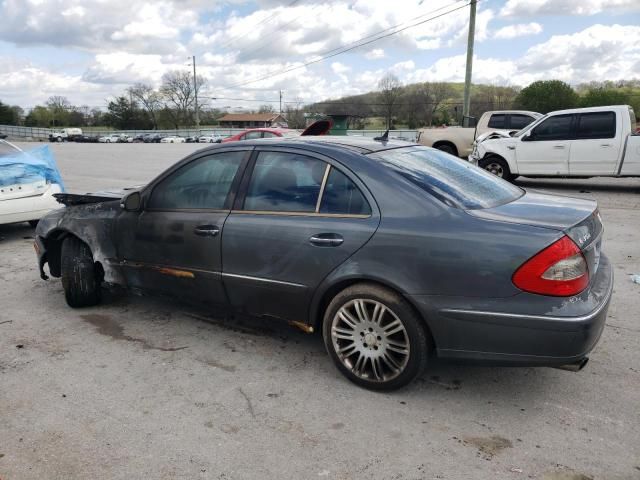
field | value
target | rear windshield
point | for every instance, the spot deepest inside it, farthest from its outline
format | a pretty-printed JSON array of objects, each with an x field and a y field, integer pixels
[{"x": 455, "y": 182}]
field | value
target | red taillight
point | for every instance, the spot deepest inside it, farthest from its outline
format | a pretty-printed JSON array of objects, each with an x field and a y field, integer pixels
[{"x": 559, "y": 270}]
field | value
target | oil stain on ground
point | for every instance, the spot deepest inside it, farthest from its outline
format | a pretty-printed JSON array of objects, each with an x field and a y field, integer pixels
[
  {"x": 109, "y": 327},
  {"x": 488, "y": 446}
]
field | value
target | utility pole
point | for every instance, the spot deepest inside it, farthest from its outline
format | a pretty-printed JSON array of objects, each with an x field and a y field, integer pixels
[
  {"x": 280, "y": 102},
  {"x": 467, "y": 76},
  {"x": 195, "y": 91}
]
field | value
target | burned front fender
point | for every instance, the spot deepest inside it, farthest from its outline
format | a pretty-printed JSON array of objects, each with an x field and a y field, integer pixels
[{"x": 92, "y": 223}]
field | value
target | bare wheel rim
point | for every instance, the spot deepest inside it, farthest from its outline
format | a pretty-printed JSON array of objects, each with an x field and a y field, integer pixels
[
  {"x": 495, "y": 168},
  {"x": 370, "y": 340}
]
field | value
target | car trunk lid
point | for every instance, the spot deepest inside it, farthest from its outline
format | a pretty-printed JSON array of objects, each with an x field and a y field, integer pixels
[{"x": 578, "y": 218}]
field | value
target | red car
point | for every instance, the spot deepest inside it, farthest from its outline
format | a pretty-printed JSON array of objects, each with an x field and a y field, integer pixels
[{"x": 254, "y": 133}]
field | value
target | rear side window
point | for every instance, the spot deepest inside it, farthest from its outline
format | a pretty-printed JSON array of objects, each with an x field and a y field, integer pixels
[
  {"x": 497, "y": 120},
  {"x": 268, "y": 135},
  {"x": 554, "y": 128},
  {"x": 455, "y": 182},
  {"x": 285, "y": 182},
  {"x": 596, "y": 125},
  {"x": 201, "y": 184},
  {"x": 519, "y": 121},
  {"x": 341, "y": 196}
]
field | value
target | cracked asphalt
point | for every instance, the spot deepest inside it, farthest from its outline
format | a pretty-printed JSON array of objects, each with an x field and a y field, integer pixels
[{"x": 145, "y": 387}]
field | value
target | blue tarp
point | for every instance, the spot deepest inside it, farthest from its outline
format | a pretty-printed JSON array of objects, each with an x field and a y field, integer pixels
[{"x": 28, "y": 167}]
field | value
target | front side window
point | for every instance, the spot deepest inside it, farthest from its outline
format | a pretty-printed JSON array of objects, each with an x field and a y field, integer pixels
[
  {"x": 519, "y": 121},
  {"x": 451, "y": 180},
  {"x": 269, "y": 135},
  {"x": 341, "y": 196},
  {"x": 202, "y": 184},
  {"x": 553, "y": 128},
  {"x": 284, "y": 182},
  {"x": 596, "y": 125},
  {"x": 497, "y": 120}
]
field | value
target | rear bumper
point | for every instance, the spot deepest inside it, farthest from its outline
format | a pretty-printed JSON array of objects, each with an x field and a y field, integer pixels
[
  {"x": 29, "y": 208},
  {"x": 564, "y": 335}
]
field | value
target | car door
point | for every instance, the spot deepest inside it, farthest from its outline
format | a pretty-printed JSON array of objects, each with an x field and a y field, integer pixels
[
  {"x": 298, "y": 217},
  {"x": 545, "y": 150},
  {"x": 595, "y": 150},
  {"x": 173, "y": 244}
]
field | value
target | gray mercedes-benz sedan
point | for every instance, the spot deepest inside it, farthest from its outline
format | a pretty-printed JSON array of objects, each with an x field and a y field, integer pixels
[{"x": 395, "y": 252}]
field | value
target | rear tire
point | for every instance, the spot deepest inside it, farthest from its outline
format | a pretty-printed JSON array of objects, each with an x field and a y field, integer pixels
[
  {"x": 33, "y": 223},
  {"x": 446, "y": 148},
  {"x": 80, "y": 277},
  {"x": 378, "y": 351},
  {"x": 498, "y": 166}
]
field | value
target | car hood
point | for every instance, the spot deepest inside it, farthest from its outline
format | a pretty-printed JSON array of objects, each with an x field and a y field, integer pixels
[{"x": 70, "y": 199}]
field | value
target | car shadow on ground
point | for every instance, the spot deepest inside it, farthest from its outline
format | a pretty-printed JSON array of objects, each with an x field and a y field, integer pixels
[
  {"x": 486, "y": 383},
  {"x": 16, "y": 231}
]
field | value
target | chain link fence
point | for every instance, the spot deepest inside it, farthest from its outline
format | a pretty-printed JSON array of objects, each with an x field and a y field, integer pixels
[{"x": 42, "y": 134}]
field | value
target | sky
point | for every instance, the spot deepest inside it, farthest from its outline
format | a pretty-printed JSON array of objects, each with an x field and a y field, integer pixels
[{"x": 92, "y": 50}]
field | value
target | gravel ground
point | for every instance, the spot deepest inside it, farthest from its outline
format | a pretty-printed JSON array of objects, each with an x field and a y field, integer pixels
[{"x": 142, "y": 387}]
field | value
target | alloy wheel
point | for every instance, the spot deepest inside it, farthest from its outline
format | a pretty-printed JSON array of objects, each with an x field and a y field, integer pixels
[
  {"x": 496, "y": 169},
  {"x": 370, "y": 340}
]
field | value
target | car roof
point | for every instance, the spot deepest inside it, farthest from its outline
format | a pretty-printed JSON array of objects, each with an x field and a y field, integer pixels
[{"x": 351, "y": 143}]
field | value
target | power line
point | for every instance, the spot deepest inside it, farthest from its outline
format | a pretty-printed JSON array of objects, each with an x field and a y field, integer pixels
[
  {"x": 264, "y": 20},
  {"x": 262, "y": 39},
  {"x": 345, "y": 49}
]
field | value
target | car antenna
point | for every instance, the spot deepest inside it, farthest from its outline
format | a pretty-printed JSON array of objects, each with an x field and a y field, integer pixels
[{"x": 383, "y": 138}]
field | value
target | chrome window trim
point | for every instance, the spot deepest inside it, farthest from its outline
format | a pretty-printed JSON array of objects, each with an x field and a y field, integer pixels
[{"x": 322, "y": 186}]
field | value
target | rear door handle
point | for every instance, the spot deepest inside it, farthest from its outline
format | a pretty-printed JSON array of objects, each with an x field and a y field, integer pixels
[
  {"x": 206, "y": 230},
  {"x": 605, "y": 145},
  {"x": 326, "y": 240},
  {"x": 559, "y": 147}
]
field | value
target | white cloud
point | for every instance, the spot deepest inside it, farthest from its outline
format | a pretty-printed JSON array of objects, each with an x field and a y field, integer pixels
[
  {"x": 522, "y": 8},
  {"x": 518, "y": 30},
  {"x": 597, "y": 53},
  {"x": 374, "y": 54}
]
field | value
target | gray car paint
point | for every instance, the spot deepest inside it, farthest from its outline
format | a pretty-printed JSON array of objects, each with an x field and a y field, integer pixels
[{"x": 454, "y": 266}]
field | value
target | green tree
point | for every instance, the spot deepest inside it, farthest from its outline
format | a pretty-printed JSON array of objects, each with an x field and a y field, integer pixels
[
  {"x": 6, "y": 114},
  {"x": 125, "y": 115},
  {"x": 547, "y": 95},
  {"x": 598, "y": 97},
  {"x": 39, "y": 116}
]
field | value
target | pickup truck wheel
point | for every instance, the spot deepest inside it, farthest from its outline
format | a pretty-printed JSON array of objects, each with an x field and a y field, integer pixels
[
  {"x": 497, "y": 166},
  {"x": 447, "y": 148},
  {"x": 81, "y": 279},
  {"x": 375, "y": 338},
  {"x": 59, "y": 139}
]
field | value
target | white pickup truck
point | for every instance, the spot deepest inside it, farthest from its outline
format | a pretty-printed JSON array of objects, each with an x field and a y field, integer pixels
[
  {"x": 458, "y": 141},
  {"x": 582, "y": 142}
]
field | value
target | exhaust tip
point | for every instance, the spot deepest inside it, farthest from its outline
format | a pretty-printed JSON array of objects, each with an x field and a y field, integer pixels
[{"x": 575, "y": 366}]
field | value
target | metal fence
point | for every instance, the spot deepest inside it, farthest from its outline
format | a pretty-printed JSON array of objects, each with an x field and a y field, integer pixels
[{"x": 39, "y": 134}]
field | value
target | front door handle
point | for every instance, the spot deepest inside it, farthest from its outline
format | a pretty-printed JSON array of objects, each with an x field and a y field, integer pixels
[
  {"x": 559, "y": 147},
  {"x": 606, "y": 145},
  {"x": 206, "y": 230},
  {"x": 326, "y": 240}
]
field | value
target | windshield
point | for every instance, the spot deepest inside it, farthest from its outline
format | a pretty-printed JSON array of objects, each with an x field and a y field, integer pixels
[
  {"x": 455, "y": 182},
  {"x": 530, "y": 126}
]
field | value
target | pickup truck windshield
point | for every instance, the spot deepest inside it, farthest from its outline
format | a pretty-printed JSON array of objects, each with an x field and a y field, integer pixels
[{"x": 455, "y": 182}]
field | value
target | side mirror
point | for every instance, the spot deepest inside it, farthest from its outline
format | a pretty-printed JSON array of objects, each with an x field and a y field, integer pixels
[
  {"x": 529, "y": 136},
  {"x": 132, "y": 202}
]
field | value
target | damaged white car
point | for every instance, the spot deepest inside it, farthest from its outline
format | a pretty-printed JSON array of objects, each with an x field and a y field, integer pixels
[{"x": 28, "y": 181}]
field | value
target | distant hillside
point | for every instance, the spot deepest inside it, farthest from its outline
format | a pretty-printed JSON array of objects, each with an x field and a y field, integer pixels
[{"x": 436, "y": 103}]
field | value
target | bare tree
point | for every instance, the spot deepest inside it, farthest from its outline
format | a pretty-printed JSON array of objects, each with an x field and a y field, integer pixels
[
  {"x": 389, "y": 86},
  {"x": 150, "y": 99},
  {"x": 179, "y": 94},
  {"x": 295, "y": 115},
  {"x": 266, "y": 109}
]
